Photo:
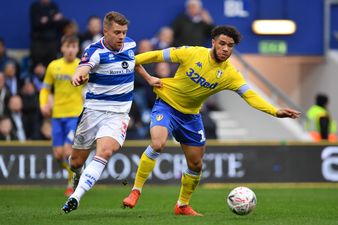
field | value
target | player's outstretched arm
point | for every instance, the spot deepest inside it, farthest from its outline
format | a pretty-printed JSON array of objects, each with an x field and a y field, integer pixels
[
  {"x": 81, "y": 75},
  {"x": 149, "y": 57},
  {"x": 253, "y": 99},
  {"x": 151, "y": 80},
  {"x": 288, "y": 113}
]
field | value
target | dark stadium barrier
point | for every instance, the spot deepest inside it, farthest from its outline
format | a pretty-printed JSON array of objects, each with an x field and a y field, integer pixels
[{"x": 33, "y": 163}]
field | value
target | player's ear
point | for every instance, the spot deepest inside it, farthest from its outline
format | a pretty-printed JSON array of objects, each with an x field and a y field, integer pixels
[
  {"x": 213, "y": 42},
  {"x": 105, "y": 30}
]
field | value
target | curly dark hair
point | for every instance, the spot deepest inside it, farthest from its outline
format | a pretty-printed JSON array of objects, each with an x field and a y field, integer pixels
[{"x": 229, "y": 31}]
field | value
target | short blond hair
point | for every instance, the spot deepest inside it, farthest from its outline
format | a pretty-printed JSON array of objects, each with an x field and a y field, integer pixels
[{"x": 114, "y": 17}]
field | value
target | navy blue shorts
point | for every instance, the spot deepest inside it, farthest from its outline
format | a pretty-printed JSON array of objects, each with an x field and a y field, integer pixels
[
  {"x": 187, "y": 129},
  {"x": 63, "y": 130}
]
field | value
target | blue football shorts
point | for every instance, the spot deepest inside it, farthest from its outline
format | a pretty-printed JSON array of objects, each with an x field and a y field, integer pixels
[
  {"x": 63, "y": 130},
  {"x": 187, "y": 129}
]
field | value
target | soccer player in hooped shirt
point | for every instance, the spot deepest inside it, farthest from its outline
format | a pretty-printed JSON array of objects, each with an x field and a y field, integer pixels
[
  {"x": 67, "y": 102},
  {"x": 202, "y": 72},
  {"x": 110, "y": 63}
]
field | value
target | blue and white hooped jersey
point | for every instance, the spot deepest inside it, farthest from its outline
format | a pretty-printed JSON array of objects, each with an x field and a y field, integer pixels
[{"x": 111, "y": 77}]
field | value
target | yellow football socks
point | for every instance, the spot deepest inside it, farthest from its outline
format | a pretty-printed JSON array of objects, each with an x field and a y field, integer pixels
[
  {"x": 65, "y": 166},
  {"x": 188, "y": 186},
  {"x": 145, "y": 167}
]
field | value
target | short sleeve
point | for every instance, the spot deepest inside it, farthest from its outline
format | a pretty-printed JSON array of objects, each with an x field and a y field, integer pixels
[{"x": 90, "y": 57}]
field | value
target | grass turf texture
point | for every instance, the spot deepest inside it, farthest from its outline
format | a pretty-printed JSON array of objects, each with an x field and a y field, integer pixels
[{"x": 102, "y": 205}]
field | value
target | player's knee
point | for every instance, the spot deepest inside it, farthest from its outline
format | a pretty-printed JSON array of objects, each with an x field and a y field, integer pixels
[
  {"x": 58, "y": 157},
  {"x": 76, "y": 164},
  {"x": 58, "y": 153},
  {"x": 76, "y": 161},
  {"x": 67, "y": 150},
  {"x": 105, "y": 152},
  {"x": 195, "y": 165},
  {"x": 158, "y": 146}
]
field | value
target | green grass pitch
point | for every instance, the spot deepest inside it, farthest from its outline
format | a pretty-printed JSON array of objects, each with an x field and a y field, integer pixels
[{"x": 304, "y": 205}]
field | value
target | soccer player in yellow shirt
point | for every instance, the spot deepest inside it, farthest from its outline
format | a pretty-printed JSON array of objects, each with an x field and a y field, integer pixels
[
  {"x": 67, "y": 102},
  {"x": 202, "y": 72}
]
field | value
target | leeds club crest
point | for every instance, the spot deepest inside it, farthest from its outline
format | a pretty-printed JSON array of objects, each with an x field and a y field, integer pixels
[
  {"x": 219, "y": 73},
  {"x": 159, "y": 117}
]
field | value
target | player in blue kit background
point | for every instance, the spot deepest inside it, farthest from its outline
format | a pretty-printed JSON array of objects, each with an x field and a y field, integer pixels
[
  {"x": 110, "y": 63},
  {"x": 202, "y": 72}
]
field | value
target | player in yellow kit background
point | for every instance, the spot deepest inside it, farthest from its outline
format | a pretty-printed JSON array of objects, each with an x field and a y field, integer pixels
[
  {"x": 67, "y": 102},
  {"x": 202, "y": 72}
]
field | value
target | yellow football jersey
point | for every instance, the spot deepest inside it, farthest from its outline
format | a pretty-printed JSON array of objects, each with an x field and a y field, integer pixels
[
  {"x": 68, "y": 100},
  {"x": 198, "y": 77}
]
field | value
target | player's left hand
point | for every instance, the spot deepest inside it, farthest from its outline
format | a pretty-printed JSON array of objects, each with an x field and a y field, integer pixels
[
  {"x": 46, "y": 110},
  {"x": 155, "y": 82},
  {"x": 288, "y": 113}
]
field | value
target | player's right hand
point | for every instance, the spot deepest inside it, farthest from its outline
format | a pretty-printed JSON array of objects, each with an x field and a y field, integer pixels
[
  {"x": 78, "y": 80},
  {"x": 288, "y": 113},
  {"x": 155, "y": 82}
]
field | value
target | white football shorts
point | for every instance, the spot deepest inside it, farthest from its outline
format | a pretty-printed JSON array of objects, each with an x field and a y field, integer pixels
[{"x": 95, "y": 124}]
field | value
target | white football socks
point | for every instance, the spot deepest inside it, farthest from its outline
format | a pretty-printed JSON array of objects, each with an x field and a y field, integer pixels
[{"x": 89, "y": 176}]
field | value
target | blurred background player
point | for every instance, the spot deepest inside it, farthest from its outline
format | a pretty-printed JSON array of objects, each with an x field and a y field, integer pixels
[
  {"x": 319, "y": 124},
  {"x": 177, "y": 108},
  {"x": 67, "y": 102}
]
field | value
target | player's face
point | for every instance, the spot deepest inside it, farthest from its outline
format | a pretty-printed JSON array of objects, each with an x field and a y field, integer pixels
[
  {"x": 222, "y": 47},
  {"x": 114, "y": 36},
  {"x": 70, "y": 50}
]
